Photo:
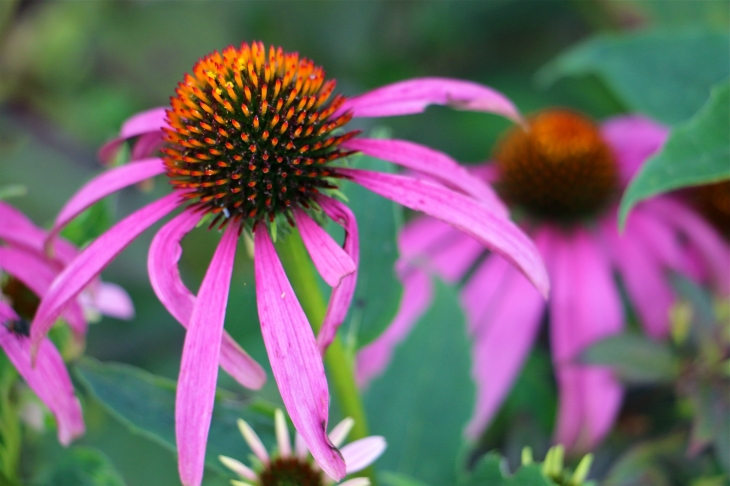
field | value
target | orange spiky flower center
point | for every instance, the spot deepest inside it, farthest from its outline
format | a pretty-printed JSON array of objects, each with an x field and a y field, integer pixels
[
  {"x": 253, "y": 134},
  {"x": 558, "y": 167},
  {"x": 290, "y": 471}
]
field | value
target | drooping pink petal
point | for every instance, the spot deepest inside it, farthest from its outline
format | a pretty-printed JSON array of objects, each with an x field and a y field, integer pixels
[
  {"x": 48, "y": 378},
  {"x": 495, "y": 232},
  {"x": 453, "y": 261},
  {"x": 146, "y": 145},
  {"x": 373, "y": 359},
  {"x": 112, "y": 300},
  {"x": 508, "y": 329},
  {"x": 643, "y": 274},
  {"x": 90, "y": 262},
  {"x": 414, "y": 95},
  {"x": 332, "y": 262},
  {"x": 484, "y": 287},
  {"x": 165, "y": 252},
  {"x": 633, "y": 139},
  {"x": 714, "y": 252},
  {"x": 585, "y": 308},
  {"x": 421, "y": 237},
  {"x": 103, "y": 185},
  {"x": 295, "y": 359},
  {"x": 140, "y": 124},
  {"x": 341, "y": 296},
  {"x": 17, "y": 230},
  {"x": 363, "y": 452},
  {"x": 36, "y": 274},
  {"x": 488, "y": 172},
  {"x": 431, "y": 162},
  {"x": 196, "y": 384}
]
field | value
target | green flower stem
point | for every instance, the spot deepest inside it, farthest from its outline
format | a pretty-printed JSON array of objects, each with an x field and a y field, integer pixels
[{"x": 339, "y": 362}]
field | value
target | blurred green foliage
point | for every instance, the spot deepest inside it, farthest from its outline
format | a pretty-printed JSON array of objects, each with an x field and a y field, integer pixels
[{"x": 71, "y": 72}]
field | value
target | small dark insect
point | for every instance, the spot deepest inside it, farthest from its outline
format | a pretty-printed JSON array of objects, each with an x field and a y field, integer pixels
[{"x": 19, "y": 327}]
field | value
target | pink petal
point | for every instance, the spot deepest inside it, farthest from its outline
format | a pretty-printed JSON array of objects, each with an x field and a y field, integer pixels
[
  {"x": 414, "y": 95},
  {"x": 483, "y": 288},
  {"x": 508, "y": 328},
  {"x": 49, "y": 379},
  {"x": 360, "y": 454},
  {"x": 495, "y": 232},
  {"x": 199, "y": 366},
  {"x": 374, "y": 358},
  {"x": 17, "y": 230},
  {"x": 341, "y": 296},
  {"x": 421, "y": 236},
  {"x": 332, "y": 262},
  {"x": 714, "y": 252},
  {"x": 147, "y": 145},
  {"x": 90, "y": 262},
  {"x": 112, "y": 300},
  {"x": 165, "y": 252},
  {"x": 633, "y": 139},
  {"x": 585, "y": 308},
  {"x": 145, "y": 122},
  {"x": 295, "y": 359},
  {"x": 103, "y": 185},
  {"x": 431, "y": 162},
  {"x": 36, "y": 274},
  {"x": 644, "y": 276},
  {"x": 453, "y": 261}
]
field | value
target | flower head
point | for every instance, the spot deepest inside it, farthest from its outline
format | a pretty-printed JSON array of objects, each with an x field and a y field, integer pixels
[
  {"x": 294, "y": 466},
  {"x": 251, "y": 139},
  {"x": 26, "y": 275},
  {"x": 563, "y": 175}
]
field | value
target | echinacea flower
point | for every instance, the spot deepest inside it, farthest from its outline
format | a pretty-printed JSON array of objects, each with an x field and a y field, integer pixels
[
  {"x": 293, "y": 465},
  {"x": 563, "y": 175},
  {"x": 252, "y": 141},
  {"x": 26, "y": 274}
]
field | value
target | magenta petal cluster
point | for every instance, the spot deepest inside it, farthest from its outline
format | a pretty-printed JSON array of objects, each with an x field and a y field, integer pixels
[
  {"x": 22, "y": 258},
  {"x": 504, "y": 310},
  {"x": 446, "y": 192}
]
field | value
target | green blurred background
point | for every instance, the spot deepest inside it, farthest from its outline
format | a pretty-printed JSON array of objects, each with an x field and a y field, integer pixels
[{"x": 72, "y": 72}]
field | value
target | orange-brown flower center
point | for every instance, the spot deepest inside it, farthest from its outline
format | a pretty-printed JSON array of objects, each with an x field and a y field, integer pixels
[
  {"x": 253, "y": 134},
  {"x": 713, "y": 201},
  {"x": 557, "y": 167},
  {"x": 290, "y": 471}
]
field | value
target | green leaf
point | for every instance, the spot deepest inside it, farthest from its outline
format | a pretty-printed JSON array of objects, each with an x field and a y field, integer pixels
[
  {"x": 491, "y": 470},
  {"x": 90, "y": 224},
  {"x": 666, "y": 74},
  {"x": 697, "y": 152},
  {"x": 644, "y": 464},
  {"x": 634, "y": 358},
  {"x": 83, "y": 466},
  {"x": 145, "y": 403},
  {"x": 12, "y": 190},
  {"x": 424, "y": 399},
  {"x": 394, "y": 479},
  {"x": 378, "y": 289}
]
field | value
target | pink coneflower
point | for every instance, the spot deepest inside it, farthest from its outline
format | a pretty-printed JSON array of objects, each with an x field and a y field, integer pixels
[
  {"x": 26, "y": 274},
  {"x": 563, "y": 176},
  {"x": 293, "y": 465},
  {"x": 252, "y": 141}
]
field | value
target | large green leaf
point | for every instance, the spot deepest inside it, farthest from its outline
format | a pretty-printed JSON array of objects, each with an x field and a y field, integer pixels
[
  {"x": 424, "y": 399},
  {"x": 83, "y": 466},
  {"x": 697, "y": 152},
  {"x": 145, "y": 403},
  {"x": 378, "y": 290},
  {"x": 665, "y": 74},
  {"x": 634, "y": 358}
]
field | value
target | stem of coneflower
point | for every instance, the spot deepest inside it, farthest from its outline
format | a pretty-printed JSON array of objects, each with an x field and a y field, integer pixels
[{"x": 339, "y": 363}]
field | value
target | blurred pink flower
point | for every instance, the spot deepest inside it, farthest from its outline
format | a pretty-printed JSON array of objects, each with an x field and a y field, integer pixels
[
  {"x": 565, "y": 177},
  {"x": 250, "y": 141},
  {"x": 26, "y": 274}
]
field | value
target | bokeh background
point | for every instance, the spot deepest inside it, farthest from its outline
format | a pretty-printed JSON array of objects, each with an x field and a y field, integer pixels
[{"x": 72, "y": 72}]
